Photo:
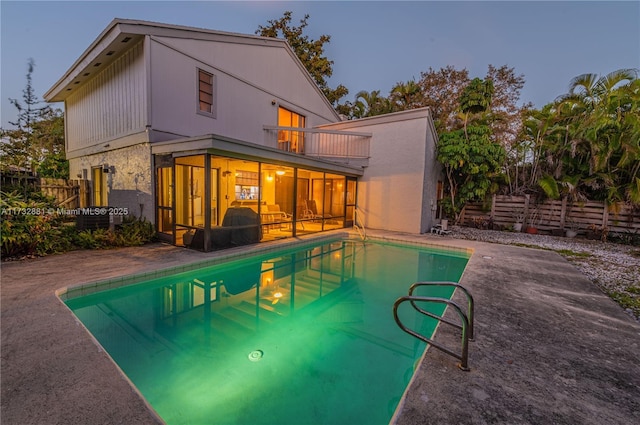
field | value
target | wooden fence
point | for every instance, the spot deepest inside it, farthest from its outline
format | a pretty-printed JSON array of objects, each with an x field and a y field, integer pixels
[
  {"x": 14, "y": 179},
  {"x": 551, "y": 216},
  {"x": 68, "y": 194}
]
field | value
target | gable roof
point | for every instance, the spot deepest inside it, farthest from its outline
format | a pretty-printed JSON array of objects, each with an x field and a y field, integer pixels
[{"x": 120, "y": 34}]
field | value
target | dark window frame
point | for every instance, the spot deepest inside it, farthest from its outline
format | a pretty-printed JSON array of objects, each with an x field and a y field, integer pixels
[{"x": 206, "y": 101}]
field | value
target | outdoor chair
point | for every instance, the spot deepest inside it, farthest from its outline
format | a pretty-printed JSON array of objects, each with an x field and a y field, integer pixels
[
  {"x": 272, "y": 214},
  {"x": 310, "y": 211}
]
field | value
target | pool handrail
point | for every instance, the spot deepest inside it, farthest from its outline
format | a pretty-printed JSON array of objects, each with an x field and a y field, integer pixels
[
  {"x": 466, "y": 326},
  {"x": 357, "y": 224},
  {"x": 465, "y": 291}
]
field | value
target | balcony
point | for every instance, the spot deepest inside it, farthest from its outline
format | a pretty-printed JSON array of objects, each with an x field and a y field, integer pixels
[{"x": 326, "y": 144}]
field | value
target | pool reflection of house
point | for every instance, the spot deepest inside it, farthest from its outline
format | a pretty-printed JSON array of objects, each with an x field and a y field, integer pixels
[
  {"x": 258, "y": 292},
  {"x": 224, "y": 139}
]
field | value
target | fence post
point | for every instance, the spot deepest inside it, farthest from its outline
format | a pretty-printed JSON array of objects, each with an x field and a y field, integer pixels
[
  {"x": 563, "y": 212},
  {"x": 493, "y": 206},
  {"x": 84, "y": 193},
  {"x": 605, "y": 215}
]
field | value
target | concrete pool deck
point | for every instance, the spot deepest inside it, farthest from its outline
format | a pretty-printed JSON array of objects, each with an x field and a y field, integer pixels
[{"x": 549, "y": 346}]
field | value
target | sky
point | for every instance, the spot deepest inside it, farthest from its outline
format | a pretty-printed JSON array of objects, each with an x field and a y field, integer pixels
[{"x": 374, "y": 44}]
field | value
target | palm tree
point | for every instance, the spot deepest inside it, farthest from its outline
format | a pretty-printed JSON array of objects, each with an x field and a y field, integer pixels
[
  {"x": 406, "y": 96},
  {"x": 600, "y": 152},
  {"x": 593, "y": 90},
  {"x": 368, "y": 104}
]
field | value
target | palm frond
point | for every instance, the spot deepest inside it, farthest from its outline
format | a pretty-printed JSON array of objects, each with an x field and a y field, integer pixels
[
  {"x": 550, "y": 186},
  {"x": 606, "y": 83},
  {"x": 584, "y": 83}
]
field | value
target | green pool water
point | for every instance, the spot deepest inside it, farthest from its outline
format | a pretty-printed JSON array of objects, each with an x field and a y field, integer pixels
[{"x": 304, "y": 337}]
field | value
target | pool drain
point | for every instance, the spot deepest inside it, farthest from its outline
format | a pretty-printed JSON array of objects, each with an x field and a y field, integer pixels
[{"x": 256, "y": 355}]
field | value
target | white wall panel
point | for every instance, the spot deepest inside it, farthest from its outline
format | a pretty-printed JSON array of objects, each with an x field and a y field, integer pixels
[
  {"x": 111, "y": 105},
  {"x": 247, "y": 80},
  {"x": 399, "y": 184}
]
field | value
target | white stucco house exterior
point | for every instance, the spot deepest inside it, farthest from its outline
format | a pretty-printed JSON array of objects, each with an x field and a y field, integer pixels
[{"x": 202, "y": 131}]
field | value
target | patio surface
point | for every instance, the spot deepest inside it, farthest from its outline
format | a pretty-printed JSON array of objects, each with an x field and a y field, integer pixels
[{"x": 549, "y": 346}]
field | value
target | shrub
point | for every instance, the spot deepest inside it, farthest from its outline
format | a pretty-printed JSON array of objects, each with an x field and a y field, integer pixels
[
  {"x": 29, "y": 226},
  {"x": 135, "y": 231},
  {"x": 626, "y": 238},
  {"x": 132, "y": 232}
]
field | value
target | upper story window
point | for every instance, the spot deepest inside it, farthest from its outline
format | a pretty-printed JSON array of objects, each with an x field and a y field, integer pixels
[
  {"x": 291, "y": 141},
  {"x": 205, "y": 92}
]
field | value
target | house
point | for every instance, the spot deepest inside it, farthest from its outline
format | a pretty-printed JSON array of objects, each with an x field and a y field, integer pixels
[{"x": 222, "y": 139}]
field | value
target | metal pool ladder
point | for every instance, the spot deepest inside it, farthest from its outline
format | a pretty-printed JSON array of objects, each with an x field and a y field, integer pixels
[
  {"x": 466, "y": 318},
  {"x": 357, "y": 224}
]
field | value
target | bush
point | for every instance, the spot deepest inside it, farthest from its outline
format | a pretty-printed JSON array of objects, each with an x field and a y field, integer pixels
[
  {"x": 30, "y": 227},
  {"x": 133, "y": 232},
  {"x": 627, "y": 238}
]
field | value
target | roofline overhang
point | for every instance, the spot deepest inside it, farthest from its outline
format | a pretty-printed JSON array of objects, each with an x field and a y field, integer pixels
[
  {"x": 224, "y": 146},
  {"x": 111, "y": 39}
]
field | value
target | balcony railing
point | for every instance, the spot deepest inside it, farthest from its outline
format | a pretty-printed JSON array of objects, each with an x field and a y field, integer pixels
[{"x": 317, "y": 142}]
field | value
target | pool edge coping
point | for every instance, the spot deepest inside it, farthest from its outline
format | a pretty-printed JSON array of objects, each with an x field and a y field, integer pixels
[
  {"x": 76, "y": 291},
  {"x": 87, "y": 288}
]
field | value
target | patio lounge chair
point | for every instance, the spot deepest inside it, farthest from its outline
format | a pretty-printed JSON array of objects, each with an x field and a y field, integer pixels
[
  {"x": 272, "y": 214},
  {"x": 310, "y": 211}
]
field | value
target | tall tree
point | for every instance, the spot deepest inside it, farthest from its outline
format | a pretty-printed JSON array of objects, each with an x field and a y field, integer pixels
[
  {"x": 506, "y": 121},
  {"x": 440, "y": 91},
  {"x": 405, "y": 96},
  {"x": 471, "y": 160},
  {"x": 592, "y": 145},
  {"x": 310, "y": 52},
  {"x": 20, "y": 151},
  {"x": 368, "y": 104},
  {"x": 475, "y": 98},
  {"x": 48, "y": 134},
  {"x": 38, "y": 136}
]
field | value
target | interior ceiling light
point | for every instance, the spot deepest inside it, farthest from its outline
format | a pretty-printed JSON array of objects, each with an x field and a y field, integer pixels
[{"x": 280, "y": 172}]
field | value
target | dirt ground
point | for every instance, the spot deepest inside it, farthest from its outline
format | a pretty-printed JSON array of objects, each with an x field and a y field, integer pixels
[{"x": 549, "y": 346}]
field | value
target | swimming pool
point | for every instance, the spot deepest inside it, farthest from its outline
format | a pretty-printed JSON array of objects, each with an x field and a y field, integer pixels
[{"x": 301, "y": 336}]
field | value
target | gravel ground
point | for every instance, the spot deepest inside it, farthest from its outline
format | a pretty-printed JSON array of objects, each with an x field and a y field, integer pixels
[{"x": 614, "y": 268}]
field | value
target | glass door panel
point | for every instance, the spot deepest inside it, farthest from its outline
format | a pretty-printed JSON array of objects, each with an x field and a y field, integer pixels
[
  {"x": 164, "y": 188},
  {"x": 351, "y": 201},
  {"x": 334, "y": 201},
  {"x": 190, "y": 197},
  {"x": 214, "y": 196}
]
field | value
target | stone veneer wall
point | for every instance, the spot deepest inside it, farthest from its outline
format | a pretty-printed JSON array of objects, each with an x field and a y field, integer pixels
[{"x": 130, "y": 180}]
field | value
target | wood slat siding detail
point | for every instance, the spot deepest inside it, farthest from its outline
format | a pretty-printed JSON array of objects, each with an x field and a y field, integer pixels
[
  {"x": 110, "y": 105},
  {"x": 555, "y": 214}
]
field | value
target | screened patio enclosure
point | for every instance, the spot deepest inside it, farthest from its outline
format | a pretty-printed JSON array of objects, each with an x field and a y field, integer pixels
[{"x": 209, "y": 201}]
